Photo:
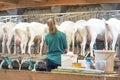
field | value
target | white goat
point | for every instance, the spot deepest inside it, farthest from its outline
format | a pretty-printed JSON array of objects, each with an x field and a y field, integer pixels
[
  {"x": 112, "y": 32},
  {"x": 68, "y": 28},
  {"x": 1, "y": 30},
  {"x": 81, "y": 34},
  {"x": 36, "y": 29},
  {"x": 7, "y": 35},
  {"x": 20, "y": 36},
  {"x": 95, "y": 30}
]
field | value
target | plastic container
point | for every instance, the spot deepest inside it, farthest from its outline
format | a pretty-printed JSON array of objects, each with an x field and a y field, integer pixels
[
  {"x": 77, "y": 65},
  {"x": 105, "y": 59},
  {"x": 100, "y": 64},
  {"x": 68, "y": 60},
  {"x": 88, "y": 63},
  {"x": 83, "y": 63}
]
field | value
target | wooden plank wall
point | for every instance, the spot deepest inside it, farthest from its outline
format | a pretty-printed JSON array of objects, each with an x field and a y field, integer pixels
[
  {"x": 34, "y": 4},
  {"x": 22, "y": 3},
  {"x": 28, "y": 75}
]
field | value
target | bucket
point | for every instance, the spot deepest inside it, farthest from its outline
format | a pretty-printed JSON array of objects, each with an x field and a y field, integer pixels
[
  {"x": 68, "y": 60},
  {"x": 77, "y": 65},
  {"x": 104, "y": 60},
  {"x": 83, "y": 62},
  {"x": 100, "y": 64}
]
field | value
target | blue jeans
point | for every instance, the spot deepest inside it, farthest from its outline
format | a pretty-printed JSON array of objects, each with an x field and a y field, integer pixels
[{"x": 50, "y": 65}]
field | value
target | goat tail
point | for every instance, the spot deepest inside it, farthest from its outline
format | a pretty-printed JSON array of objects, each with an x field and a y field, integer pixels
[
  {"x": 4, "y": 30},
  {"x": 17, "y": 32},
  {"x": 27, "y": 28}
]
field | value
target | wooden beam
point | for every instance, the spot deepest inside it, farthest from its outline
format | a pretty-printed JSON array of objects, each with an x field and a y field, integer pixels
[
  {"x": 22, "y": 3},
  {"x": 4, "y": 6},
  {"x": 39, "y": 75},
  {"x": 9, "y": 1},
  {"x": 44, "y": 3},
  {"x": 40, "y": 0}
]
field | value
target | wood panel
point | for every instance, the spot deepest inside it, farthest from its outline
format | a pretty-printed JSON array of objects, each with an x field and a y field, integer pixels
[
  {"x": 22, "y": 3},
  {"x": 9, "y": 1},
  {"x": 28, "y": 75},
  {"x": 12, "y": 4},
  {"x": 7, "y": 6}
]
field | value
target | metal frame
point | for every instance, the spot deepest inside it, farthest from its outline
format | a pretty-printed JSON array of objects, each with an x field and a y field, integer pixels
[{"x": 60, "y": 17}]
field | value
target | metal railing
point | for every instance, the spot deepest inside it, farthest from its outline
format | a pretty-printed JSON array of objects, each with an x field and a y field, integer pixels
[{"x": 60, "y": 17}]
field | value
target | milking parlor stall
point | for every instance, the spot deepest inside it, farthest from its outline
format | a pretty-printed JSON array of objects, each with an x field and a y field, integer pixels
[{"x": 92, "y": 32}]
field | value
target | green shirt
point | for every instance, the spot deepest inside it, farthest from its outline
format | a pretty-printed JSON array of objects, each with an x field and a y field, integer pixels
[{"x": 56, "y": 44}]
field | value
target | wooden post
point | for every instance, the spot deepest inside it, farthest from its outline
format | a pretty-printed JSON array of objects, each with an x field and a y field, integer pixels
[
  {"x": 40, "y": 0},
  {"x": 119, "y": 72},
  {"x": 9, "y": 1}
]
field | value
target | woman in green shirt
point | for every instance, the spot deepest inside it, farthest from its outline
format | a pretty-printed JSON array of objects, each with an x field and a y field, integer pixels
[{"x": 56, "y": 45}]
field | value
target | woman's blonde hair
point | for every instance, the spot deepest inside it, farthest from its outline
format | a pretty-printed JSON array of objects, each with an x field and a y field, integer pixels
[{"x": 52, "y": 25}]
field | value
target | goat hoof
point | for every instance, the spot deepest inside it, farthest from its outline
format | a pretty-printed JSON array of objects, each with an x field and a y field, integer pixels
[
  {"x": 14, "y": 53},
  {"x": 40, "y": 54},
  {"x": 33, "y": 70},
  {"x": 92, "y": 57}
]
